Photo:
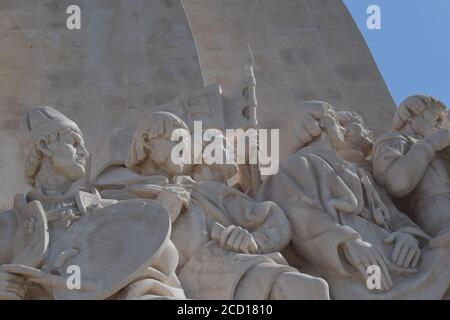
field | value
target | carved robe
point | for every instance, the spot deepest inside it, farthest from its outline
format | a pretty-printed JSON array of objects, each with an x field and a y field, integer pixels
[
  {"x": 211, "y": 272},
  {"x": 205, "y": 270},
  {"x": 428, "y": 204},
  {"x": 303, "y": 187}
]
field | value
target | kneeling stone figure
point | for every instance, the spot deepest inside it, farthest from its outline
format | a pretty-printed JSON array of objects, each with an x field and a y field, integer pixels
[{"x": 121, "y": 249}]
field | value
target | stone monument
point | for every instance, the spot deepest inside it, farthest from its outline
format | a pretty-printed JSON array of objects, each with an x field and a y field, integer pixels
[{"x": 172, "y": 200}]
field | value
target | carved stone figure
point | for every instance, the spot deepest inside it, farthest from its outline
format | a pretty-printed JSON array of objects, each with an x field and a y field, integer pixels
[
  {"x": 121, "y": 249},
  {"x": 341, "y": 224},
  {"x": 244, "y": 230},
  {"x": 237, "y": 253},
  {"x": 228, "y": 244},
  {"x": 412, "y": 163}
]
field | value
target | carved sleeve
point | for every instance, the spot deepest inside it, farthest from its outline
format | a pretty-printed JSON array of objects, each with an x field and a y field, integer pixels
[
  {"x": 275, "y": 232},
  {"x": 385, "y": 153}
]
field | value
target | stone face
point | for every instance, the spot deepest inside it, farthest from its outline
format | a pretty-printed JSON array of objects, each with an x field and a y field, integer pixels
[{"x": 128, "y": 57}]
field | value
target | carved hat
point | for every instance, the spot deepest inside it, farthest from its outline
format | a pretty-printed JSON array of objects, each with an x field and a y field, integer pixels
[{"x": 41, "y": 122}]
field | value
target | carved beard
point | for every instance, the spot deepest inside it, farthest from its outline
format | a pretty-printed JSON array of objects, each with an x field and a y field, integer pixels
[
  {"x": 336, "y": 141},
  {"x": 72, "y": 173},
  {"x": 364, "y": 143}
]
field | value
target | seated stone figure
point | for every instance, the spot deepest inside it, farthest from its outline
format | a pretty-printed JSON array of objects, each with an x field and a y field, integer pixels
[
  {"x": 341, "y": 226},
  {"x": 222, "y": 235},
  {"x": 412, "y": 163},
  {"x": 122, "y": 249}
]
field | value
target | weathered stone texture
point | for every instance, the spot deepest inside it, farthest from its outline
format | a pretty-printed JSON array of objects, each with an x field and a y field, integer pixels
[
  {"x": 133, "y": 55},
  {"x": 128, "y": 57},
  {"x": 304, "y": 50}
]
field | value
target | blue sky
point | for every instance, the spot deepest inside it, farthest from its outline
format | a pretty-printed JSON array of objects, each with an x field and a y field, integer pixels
[{"x": 412, "y": 50}]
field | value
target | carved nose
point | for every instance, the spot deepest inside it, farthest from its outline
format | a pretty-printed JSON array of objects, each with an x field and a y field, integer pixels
[{"x": 83, "y": 152}]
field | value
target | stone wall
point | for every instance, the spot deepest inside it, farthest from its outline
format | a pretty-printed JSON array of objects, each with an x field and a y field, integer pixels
[
  {"x": 128, "y": 57},
  {"x": 304, "y": 49},
  {"x": 131, "y": 56}
]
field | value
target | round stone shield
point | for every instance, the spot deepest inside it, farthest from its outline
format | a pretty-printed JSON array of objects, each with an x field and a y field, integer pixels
[{"x": 109, "y": 248}]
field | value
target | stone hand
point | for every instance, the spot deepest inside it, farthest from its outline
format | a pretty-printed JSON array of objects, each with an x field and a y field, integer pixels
[
  {"x": 406, "y": 251},
  {"x": 176, "y": 193},
  {"x": 439, "y": 139},
  {"x": 174, "y": 197},
  {"x": 12, "y": 286},
  {"x": 362, "y": 255},
  {"x": 238, "y": 239}
]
